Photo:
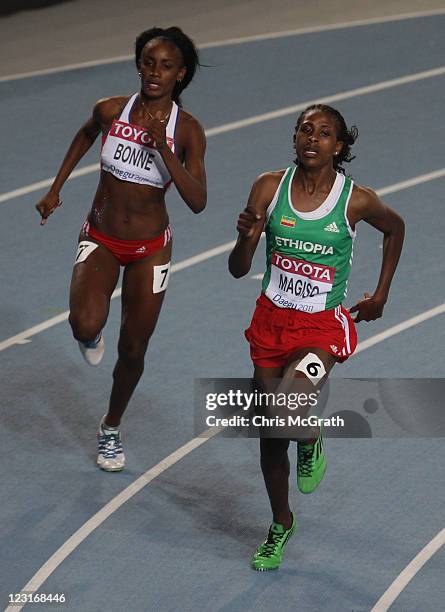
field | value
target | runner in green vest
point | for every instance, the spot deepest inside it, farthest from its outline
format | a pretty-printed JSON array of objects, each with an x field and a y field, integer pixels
[{"x": 300, "y": 329}]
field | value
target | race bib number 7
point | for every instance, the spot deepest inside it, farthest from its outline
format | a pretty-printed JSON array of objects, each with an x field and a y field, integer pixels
[
  {"x": 84, "y": 249},
  {"x": 161, "y": 274}
]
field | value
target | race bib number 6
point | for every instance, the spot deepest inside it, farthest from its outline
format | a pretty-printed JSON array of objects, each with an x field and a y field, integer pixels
[{"x": 312, "y": 366}]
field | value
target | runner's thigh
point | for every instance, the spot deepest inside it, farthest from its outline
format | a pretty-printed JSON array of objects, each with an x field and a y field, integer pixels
[
  {"x": 93, "y": 281},
  {"x": 143, "y": 290}
]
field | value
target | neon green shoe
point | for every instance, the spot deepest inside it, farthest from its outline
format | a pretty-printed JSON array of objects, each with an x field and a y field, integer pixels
[
  {"x": 269, "y": 554},
  {"x": 311, "y": 465}
]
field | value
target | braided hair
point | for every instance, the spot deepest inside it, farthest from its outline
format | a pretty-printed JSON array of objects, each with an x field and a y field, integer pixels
[
  {"x": 182, "y": 42},
  {"x": 346, "y": 135}
]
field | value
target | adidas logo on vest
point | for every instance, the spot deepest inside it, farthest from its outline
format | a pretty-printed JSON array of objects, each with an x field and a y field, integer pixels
[{"x": 332, "y": 227}]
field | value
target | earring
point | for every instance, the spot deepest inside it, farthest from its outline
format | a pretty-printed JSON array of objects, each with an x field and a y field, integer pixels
[{"x": 140, "y": 74}]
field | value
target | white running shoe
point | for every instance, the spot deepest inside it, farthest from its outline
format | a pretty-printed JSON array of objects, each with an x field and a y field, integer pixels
[
  {"x": 110, "y": 456},
  {"x": 93, "y": 350}
]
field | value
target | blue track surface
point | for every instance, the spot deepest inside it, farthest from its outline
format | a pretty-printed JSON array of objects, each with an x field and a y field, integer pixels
[{"x": 185, "y": 540}]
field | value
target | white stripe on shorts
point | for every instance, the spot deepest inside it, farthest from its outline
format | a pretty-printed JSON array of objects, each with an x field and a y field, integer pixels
[
  {"x": 167, "y": 235},
  {"x": 345, "y": 324}
]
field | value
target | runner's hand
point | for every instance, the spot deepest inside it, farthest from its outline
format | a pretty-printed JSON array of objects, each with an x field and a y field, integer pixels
[
  {"x": 368, "y": 309},
  {"x": 247, "y": 221},
  {"x": 156, "y": 129},
  {"x": 48, "y": 205}
]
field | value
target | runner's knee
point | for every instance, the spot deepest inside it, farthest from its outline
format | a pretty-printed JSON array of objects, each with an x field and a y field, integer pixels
[{"x": 85, "y": 326}]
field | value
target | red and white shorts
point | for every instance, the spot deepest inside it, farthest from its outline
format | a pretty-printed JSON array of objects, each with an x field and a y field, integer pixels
[
  {"x": 127, "y": 251},
  {"x": 276, "y": 333}
]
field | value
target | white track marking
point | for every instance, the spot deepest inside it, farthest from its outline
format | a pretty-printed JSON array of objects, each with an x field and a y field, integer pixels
[
  {"x": 95, "y": 521},
  {"x": 255, "y": 119},
  {"x": 391, "y": 594},
  {"x": 400, "y": 327},
  {"x": 417, "y": 180},
  {"x": 195, "y": 259},
  {"x": 342, "y": 95},
  {"x": 235, "y": 41},
  {"x": 16, "y": 193},
  {"x": 66, "y": 68},
  {"x": 23, "y": 337},
  {"x": 323, "y": 28}
]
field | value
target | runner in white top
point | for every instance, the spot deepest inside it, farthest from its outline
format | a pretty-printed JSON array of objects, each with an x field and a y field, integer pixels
[
  {"x": 129, "y": 151},
  {"x": 148, "y": 141}
]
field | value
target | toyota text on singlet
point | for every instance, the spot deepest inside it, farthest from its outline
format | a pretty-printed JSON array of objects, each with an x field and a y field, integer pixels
[{"x": 129, "y": 152}]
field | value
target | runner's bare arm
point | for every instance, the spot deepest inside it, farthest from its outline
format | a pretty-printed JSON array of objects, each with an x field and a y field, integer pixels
[
  {"x": 190, "y": 178},
  {"x": 102, "y": 115},
  {"x": 251, "y": 222},
  {"x": 365, "y": 205}
]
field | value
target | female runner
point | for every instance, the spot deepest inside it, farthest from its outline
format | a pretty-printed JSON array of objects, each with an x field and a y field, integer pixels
[
  {"x": 300, "y": 329},
  {"x": 148, "y": 141}
]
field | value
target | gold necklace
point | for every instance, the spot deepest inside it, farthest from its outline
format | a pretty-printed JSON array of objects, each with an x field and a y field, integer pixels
[{"x": 151, "y": 116}]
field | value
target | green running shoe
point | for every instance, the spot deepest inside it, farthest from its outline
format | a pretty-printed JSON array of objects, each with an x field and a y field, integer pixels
[
  {"x": 311, "y": 465},
  {"x": 269, "y": 554}
]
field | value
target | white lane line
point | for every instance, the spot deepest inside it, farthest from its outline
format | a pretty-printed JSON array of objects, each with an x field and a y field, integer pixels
[
  {"x": 342, "y": 95},
  {"x": 391, "y": 594},
  {"x": 400, "y": 327},
  {"x": 95, "y": 521},
  {"x": 255, "y": 119},
  {"x": 66, "y": 68},
  {"x": 16, "y": 193},
  {"x": 325, "y": 28},
  {"x": 235, "y": 41},
  {"x": 23, "y": 337},
  {"x": 417, "y": 180}
]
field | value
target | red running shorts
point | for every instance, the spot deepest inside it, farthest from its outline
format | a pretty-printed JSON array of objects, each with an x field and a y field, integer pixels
[
  {"x": 276, "y": 333},
  {"x": 127, "y": 251}
]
